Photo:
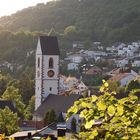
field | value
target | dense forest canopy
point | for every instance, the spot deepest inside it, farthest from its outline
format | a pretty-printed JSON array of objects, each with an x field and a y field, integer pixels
[
  {"x": 108, "y": 21},
  {"x": 103, "y": 20}
]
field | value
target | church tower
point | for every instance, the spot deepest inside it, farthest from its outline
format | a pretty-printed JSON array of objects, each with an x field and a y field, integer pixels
[{"x": 47, "y": 68}]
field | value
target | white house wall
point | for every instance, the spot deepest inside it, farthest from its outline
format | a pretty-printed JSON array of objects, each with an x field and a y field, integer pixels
[{"x": 127, "y": 79}]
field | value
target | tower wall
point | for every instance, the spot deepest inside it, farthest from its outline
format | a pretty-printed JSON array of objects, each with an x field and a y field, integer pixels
[{"x": 46, "y": 77}]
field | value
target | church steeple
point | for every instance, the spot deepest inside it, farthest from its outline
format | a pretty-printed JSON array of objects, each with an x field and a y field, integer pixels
[{"x": 47, "y": 68}]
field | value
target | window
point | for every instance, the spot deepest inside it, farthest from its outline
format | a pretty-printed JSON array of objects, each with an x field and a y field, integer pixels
[
  {"x": 50, "y": 88},
  {"x": 38, "y": 62},
  {"x": 51, "y": 63}
]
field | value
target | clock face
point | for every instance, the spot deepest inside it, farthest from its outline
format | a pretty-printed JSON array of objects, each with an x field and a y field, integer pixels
[{"x": 50, "y": 73}]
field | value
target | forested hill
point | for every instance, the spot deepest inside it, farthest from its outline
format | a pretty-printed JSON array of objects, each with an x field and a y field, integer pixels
[{"x": 102, "y": 20}]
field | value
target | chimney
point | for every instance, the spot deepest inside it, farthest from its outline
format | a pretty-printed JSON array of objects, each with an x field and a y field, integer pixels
[
  {"x": 29, "y": 135},
  {"x": 61, "y": 129}
]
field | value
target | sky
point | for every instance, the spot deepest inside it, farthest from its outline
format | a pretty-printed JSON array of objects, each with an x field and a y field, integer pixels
[{"x": 8, "y": 7}]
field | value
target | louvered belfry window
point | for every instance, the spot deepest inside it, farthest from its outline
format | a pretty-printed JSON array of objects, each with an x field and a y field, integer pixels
[
  {"x": 38, "y": 63},
  {"x": 51, "y": 63}
]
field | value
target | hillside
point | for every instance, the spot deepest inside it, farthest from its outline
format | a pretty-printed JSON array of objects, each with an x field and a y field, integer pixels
[{"x": 103, "y": 20}]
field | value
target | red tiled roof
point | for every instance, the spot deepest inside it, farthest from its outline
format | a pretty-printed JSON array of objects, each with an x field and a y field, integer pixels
[{"x": 119, "y": 77}]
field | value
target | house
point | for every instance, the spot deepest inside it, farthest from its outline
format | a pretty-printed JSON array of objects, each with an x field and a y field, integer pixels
[
  {"x": 96, "y": 43},
  {"x": 123, "y": 78},
  {"x": 52, "y": 131},
  {"x": 79, "y": 88},
  {"x": 8, "y": 65},
  {"x": 136, "y": 44},
  {"x": 114, "y": 72},
  {"x": 77, "y": 44},
  {"x": 70, "y": 82},
  {"x": 136, "y": 62},
  {"x": 62, "y": 86},
  {"x": 119, "y": 45},
  {"x": 93, "y": 71},
  {"x": 128, "y": 51},
  {"x": 95, "y": 54},
  {"x": 9, "y": 104},
  {"x": 71, "y": 85},
  {"x": 75, "y": 58},
  {"x": 122, "y": 51},
  {"x": 110, "y": 49},
  {"x": 60, "y": 104},
  {"x": 22, "y": 135},
  {"x": 72, "y": 66},
  {"x": 133, "y": 48},
  {"x": 122, "y": 62}
]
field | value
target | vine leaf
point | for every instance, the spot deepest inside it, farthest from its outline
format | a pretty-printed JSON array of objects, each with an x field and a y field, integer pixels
[
  {"x": 111, "y": 110},
  {"x": 89, "y": 124}
]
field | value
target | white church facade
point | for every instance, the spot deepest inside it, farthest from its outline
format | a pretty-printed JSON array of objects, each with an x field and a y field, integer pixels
[
  {"x": 47, "y": 69},
  {"x": 47, "y": 83}
]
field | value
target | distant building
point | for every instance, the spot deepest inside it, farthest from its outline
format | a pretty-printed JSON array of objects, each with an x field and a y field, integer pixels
[
  {"x": 72, "y": 66},
  {"x": 136, "y": 62},
  {"x": 93, "y": 71},
  {"x": 9, "y": 104},
  {"x": 122, "y": 75},
  {"x": 77, "y": 44},
  {"x": 75, "y": 58},
  {"x": 122, "y": 62}
]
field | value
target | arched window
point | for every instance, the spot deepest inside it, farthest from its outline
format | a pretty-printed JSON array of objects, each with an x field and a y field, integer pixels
[
  {"x": 38, "y": 62},
  {"x": 51, "y": 63},
  {"x": 50, "y": 88}
]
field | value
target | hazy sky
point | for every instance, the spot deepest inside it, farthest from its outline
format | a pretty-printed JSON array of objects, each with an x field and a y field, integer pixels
[{"x": 8, "y": 7}]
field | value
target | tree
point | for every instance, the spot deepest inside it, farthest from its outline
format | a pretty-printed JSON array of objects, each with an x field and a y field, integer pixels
[
  {"x": 30, "y": 108},
  {"x": 106, "y": 117},
  {"x": 134, "y": 84},
  {"x": 70, "y": 32},
  {"x": 113, "y": 86},
  {"x": 52, "y": 32},
  {"x": 73, "y": 125},
  {"x": 13, "y": 95},
  {"x": 50, "y": 117},
  {"x": 3, "y": 83},
  {"x": 8, "y": 121},
  {"x": 26, "y": 87}
]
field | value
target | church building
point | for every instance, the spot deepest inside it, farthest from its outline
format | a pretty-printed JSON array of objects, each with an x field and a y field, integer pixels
[{"x": 47, "y": 69}]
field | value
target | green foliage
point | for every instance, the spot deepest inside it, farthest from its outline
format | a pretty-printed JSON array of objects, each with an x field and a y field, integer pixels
[
  {"x": 26, "y": 87},
  {"x": 30, "y": 108},
  {"x": 113, "y": 86},
  {"x": 52, "y": 32},
  {"x": 12, "y": 94},
  {"x": 50, "y": 117},
  {"x": 102, "y": 20},
  {"x": 3, "y": 83},
  {"x": 73, "y": 125},
  {"x": 95, "y": 80},
  {"x": 8, "y": 121},
  {"x": 134, "y": 84},
  {"x": 106, "y": 117},
  {"x": 70, "y": 32}
]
